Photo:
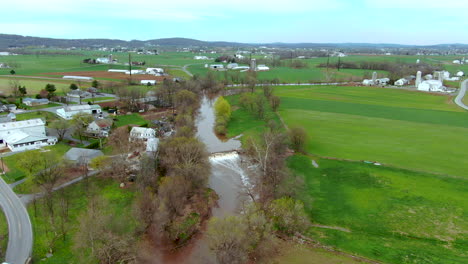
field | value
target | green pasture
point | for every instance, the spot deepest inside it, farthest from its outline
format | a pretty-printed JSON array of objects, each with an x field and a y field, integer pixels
[
  {"x": 132, "y": 119},
  {"x": 34, "y": 86},
  {"x": 47, "y": 62},
  {"x": 48, "y": 116},
  {"x": 295, "y": 253},
  {"x": 119, "y": 205},
  {"x": 403, "y": 132},
  {"x": 392, "y": 215},
  {"x": 370, "y": 96}
]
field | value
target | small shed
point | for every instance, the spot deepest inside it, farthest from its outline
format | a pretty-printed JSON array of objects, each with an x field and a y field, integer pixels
[{"x": 82, "y": 156}]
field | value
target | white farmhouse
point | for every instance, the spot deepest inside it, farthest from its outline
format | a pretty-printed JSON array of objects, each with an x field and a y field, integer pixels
[
  {"x": 262, "y": 67},
  {"x": 25, "y": 135},
  {"x": 69, "y": 111},
  {"x": 157, "y": 71},
  {"x": 367, "y": 82},
  {"x": 201, "y": 58},
  {"x": 460, "y": 74},
  {"x": 401, "y": 82},
  {"x": 431, "y": 86},
  {"x": 99, "y": 128},
  {"x": 142, "y": 133},
  {"x": 456, "y": 62},
  {"x": 103, "y": 60}
]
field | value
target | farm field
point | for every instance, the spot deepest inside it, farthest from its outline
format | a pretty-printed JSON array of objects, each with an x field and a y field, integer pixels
[
  {"x": 388, "y": 214},
  {"x": 394, "y": 127},
  {"x": 34, "y": 86},
  {"x": 46, "y": 61},
  {"x": 393, "y": 213}
]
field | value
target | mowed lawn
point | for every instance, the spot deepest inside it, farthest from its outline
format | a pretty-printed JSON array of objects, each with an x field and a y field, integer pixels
[
  {"x": 392, "y": 215},
  {"x": 411, "y": 130}
]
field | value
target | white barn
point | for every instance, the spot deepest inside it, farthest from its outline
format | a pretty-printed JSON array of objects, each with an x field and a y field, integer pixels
[
  {"x": 401, "y": 82},
  {"x": 432, "y": 86},
  {"x": 154, "y": 70},
  {"x": 69, "y": 111},
  {"x": 25, "y": 135}
]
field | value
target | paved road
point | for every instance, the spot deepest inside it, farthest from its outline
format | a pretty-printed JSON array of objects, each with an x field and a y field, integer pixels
[
  {"x": 461, "y": 94},
  {"x": 20, "y": 236}
]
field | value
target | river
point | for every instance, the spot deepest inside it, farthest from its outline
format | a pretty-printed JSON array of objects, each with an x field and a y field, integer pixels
[{"x": 228, "y": 179}]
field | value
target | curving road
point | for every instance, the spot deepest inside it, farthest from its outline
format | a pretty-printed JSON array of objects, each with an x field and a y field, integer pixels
[
  {"x": 461, "y": 94},
  {"x": 20, "y": 236}
]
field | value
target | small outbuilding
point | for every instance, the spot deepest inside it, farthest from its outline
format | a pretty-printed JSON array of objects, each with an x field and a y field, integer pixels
[{"x": 82, "y": 156}]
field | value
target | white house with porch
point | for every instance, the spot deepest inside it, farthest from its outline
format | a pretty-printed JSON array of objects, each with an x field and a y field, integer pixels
[
  {"x": 142, "y": 133},
  {"x": 25, "y": 135}
]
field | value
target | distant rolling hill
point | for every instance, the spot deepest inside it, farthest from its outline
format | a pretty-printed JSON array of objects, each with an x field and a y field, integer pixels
[{"x": 8, "y": 40}]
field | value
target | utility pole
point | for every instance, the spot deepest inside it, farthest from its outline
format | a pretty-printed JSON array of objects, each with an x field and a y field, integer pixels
[{"x": 130, "y": 64}]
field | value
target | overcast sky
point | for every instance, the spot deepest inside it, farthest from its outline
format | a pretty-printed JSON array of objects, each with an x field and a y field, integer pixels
[{"x": 252, "y": 21}]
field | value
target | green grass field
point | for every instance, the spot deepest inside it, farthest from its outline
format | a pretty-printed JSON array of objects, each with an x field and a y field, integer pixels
[
  {"x": 48, "y": 116},
  {"x": 294, "y": 253},
  {"x": 393, "y": 215},
  {"x": 133, "y": 119},
  {"x": 244, "y": 122},
  {"x": 17, "y": 172},
  {"x": 34, "y": 86},
  {"x": 395, "y": 127},
  {"x": 119, "y": 201}
]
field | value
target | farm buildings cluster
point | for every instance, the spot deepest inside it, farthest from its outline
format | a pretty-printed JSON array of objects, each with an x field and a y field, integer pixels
[{"x": 429, "y": 82}]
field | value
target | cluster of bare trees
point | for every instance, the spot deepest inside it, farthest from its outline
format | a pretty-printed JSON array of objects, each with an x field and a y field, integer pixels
[
  {"x": 44, "y": 170},
  {"x": 103, "y": 235},
  {"x": 174, "y": 198}
]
